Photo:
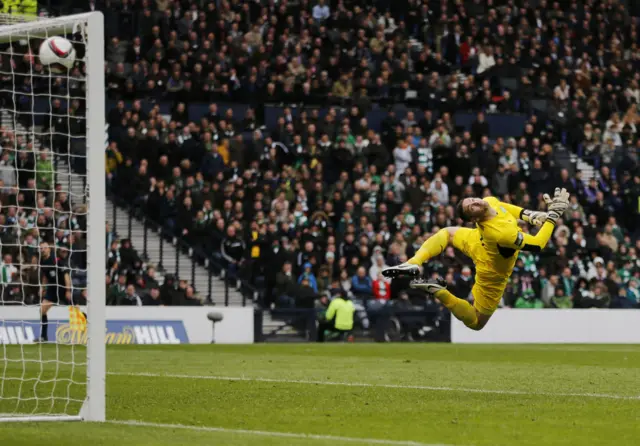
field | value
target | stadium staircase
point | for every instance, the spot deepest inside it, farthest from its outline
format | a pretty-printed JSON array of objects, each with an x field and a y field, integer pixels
[{"x": 170, "y": 258}]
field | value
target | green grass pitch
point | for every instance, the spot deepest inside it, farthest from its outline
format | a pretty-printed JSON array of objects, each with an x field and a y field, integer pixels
[{"x": 306, "y": 394}]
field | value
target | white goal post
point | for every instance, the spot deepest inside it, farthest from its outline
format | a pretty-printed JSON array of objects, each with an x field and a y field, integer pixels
[{"x": 63, "y": 379}]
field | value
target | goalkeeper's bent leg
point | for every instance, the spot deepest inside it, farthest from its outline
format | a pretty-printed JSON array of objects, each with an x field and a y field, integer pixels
[
  {"x": 434, "y": 246},
  {"x": 460, "y": 308}
]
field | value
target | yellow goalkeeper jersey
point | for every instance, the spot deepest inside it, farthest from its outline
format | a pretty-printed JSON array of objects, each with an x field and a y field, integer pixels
[{"x": 501, "y": 239}]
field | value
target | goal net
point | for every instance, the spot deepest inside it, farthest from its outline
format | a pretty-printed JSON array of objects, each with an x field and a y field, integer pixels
[{"x": 52, "y": 223}]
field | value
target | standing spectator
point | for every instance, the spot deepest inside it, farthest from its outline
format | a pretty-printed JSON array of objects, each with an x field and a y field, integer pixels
[
  {"x": 402, "y": 157},
  {"x": 285, "y": 287},
  {"x": 440, "y": 137},
  {"x": 232, "y": 250},
  {"x": 479, "y": 128}
]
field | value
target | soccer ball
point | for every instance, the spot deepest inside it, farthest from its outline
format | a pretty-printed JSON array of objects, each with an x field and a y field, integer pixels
[{"x": 57, "y": 54}]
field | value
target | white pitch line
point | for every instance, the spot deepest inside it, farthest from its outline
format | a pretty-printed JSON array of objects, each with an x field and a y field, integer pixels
[
  {"x": 386, "y": 386},
  {"x": 274, "y": 434}
]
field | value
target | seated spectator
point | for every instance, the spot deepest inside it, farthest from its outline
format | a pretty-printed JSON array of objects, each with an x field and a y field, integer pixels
[
  {"x": 560, "y": 300},
  {"x": 152, "y": 298},
  {"x": 307, "y": 274},
  {"x": 361, "y": 284},
  {"x": 381, "y": 288},
  {"x": 130, "y": 297},
  {"x": 528, "y": 300},
  {"x": 116, "y": 291},
  {"x": 324, "y": 278}
]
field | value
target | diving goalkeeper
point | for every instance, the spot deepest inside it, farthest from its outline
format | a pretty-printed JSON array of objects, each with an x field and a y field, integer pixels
[{"x": 493, "y": 245}]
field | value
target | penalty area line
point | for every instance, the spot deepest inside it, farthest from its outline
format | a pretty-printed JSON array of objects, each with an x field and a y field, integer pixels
[
  {"x": 260, "y": 433},
  {"x": 385, "y": 386}
]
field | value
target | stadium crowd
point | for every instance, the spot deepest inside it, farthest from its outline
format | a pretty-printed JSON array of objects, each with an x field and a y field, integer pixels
[{"x": 321, "y": 201}]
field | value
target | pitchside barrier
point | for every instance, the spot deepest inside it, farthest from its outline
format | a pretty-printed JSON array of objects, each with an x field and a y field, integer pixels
[
  {"x": 589, "y": 326},
  {"x": 134, "y": 325}
]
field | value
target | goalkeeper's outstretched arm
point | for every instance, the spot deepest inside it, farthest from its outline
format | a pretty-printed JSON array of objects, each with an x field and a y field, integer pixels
[
  {"x": 535, "y": 243},
  {"x": 536, "y": 218}
]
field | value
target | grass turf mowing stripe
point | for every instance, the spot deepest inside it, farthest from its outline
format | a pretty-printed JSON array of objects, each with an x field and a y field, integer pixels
[
  {"x": 387, "y": 386},
  {"x": 274, "y": 434}
]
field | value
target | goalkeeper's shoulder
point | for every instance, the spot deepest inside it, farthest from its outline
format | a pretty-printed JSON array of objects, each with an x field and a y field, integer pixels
[{"x": 493, "y": 201}]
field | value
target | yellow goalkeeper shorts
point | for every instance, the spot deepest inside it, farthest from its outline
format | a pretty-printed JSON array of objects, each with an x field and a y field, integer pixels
[{"x": 489, "y": 285}]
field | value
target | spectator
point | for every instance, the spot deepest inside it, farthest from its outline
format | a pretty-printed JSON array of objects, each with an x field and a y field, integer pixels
[
  {"x": 44, "y": 171},
  {"x": 152, "y": 298},
  {"x": 486, "y": 60},
  {"x": 307, "y": 274},
  {"x": 343, "y": 88},
  {"x": 321, "y": 12},
  {"x": 529, "y": 300},
  {"x": 440, "y": 190},
  {"x": 130, "y": 297},
  {"x": 8, "y": 270},
  {"x": 381, "y": 289},
  {"x": 285, "y": 286},
  {"x": 377, "y": 266},
  {"x": 402, "y": 156},
  {"x": 232, "y": 250},
  {"x": 440, "y": 137},
  {"x": 361, "y": 284}
]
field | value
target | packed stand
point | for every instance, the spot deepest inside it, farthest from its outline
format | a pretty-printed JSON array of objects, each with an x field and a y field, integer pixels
[
  {"x": 38, "y": 224},
  {"x": 321, "y": 201}
]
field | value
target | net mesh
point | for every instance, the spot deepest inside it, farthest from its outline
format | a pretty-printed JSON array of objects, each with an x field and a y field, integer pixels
[{"x": 43, "y": 226}]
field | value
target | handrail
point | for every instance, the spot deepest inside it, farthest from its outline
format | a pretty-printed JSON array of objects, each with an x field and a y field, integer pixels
[{"x": 210, "y": 264}]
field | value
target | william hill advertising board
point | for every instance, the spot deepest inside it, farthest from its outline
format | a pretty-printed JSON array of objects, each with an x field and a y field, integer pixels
[{"x": 117, "y": 332}]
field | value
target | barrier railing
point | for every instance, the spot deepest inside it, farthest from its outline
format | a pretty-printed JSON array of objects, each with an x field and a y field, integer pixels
[{"x": 389, "y": 324}]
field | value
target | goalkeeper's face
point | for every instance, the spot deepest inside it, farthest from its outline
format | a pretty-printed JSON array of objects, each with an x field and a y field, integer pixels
[{"x": 474, "y": 208}]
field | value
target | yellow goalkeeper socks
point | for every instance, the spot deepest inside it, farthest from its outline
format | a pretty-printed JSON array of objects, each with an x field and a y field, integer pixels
[
  {"x": 434, "y": 246},
  {"x": 460, "y": 308}
]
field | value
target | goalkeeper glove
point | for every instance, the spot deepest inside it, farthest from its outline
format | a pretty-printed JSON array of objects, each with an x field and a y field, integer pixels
[
  {"x": 535, "y": 218},
  {"x": 557, "y": 205}
]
